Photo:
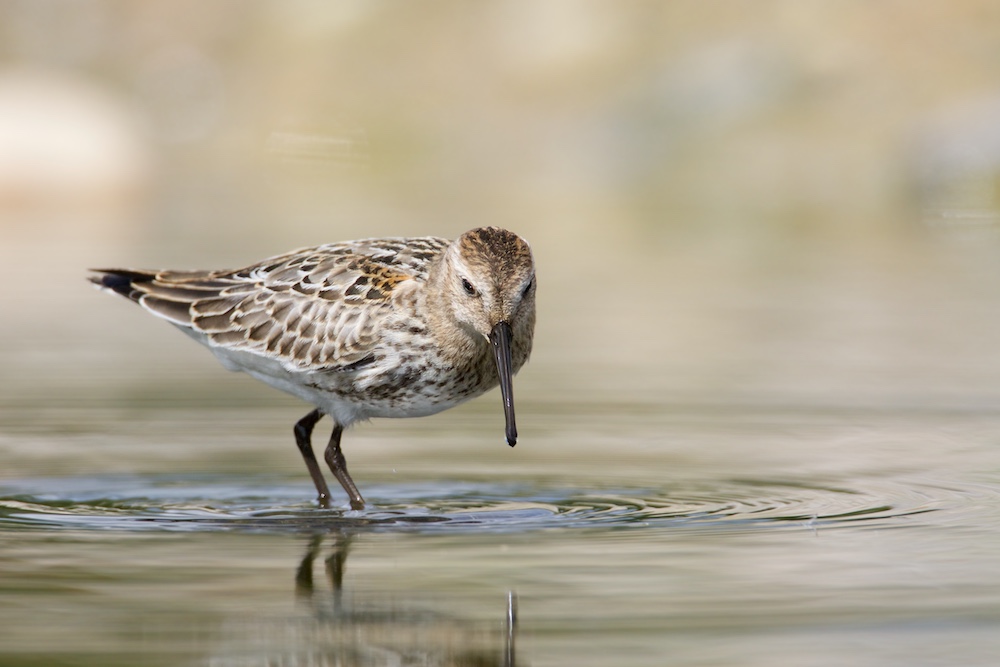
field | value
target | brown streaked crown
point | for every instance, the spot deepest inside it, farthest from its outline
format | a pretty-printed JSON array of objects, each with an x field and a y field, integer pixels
[{"x": 496, "y": 251}]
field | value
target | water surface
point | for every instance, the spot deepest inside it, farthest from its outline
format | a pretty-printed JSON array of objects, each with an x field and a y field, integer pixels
[{"x": 759, "y": 536}]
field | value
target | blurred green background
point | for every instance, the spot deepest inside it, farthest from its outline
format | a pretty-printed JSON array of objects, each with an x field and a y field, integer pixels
[{"x": 768, "y": 201}]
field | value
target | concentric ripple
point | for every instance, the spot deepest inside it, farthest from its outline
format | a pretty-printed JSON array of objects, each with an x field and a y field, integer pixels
[{"x": 213, "y": 504}]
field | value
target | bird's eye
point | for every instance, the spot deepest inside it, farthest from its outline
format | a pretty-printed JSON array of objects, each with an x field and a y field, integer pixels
[
  {"x": 467, "y": 286},
  {"x": 527, "y": 288}
]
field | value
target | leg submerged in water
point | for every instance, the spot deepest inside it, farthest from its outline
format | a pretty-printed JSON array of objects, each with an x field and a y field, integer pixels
[
  {"x": 303, "y": 438},
  {"x": 335, "y": 459}
]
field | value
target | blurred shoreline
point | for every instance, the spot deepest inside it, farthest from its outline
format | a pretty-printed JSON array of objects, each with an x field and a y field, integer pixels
[{"x": 728, "y": 202}]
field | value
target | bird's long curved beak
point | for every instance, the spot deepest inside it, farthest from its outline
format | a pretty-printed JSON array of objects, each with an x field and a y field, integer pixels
[{"x": 500, "y": 337}]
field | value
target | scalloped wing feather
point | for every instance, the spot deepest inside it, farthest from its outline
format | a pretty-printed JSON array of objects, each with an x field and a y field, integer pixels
[{"x": 312, "y": 309}]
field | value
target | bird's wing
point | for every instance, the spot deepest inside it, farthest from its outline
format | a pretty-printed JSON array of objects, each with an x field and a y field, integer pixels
[{"x": 312, "y": 309}]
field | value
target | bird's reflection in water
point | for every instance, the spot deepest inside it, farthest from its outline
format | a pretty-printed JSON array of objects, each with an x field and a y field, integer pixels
[{"x": 347, "y": 628}]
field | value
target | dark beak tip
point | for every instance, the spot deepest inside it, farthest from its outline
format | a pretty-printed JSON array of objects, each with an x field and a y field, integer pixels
[{"x": 501, "y": 339}]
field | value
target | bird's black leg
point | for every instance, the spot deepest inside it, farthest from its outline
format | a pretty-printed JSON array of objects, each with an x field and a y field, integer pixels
[
  {"x": 335, "y": 459},
  {"x": 303, "y": 438}
]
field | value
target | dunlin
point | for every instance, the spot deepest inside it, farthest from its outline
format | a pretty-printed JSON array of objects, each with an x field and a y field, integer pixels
[{"x": 391, "y": 327}]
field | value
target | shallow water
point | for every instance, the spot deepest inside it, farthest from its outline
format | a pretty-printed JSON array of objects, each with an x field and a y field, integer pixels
[{"x": 712, "y": 535}]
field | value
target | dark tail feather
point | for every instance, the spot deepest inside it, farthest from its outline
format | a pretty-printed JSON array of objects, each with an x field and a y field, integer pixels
[{"x": 121, "y": 281}]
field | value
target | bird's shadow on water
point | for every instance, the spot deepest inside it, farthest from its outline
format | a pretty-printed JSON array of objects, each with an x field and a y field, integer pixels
[
  {"x": 343, "y": 627},
  {"x": 335, "y": 622}
]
